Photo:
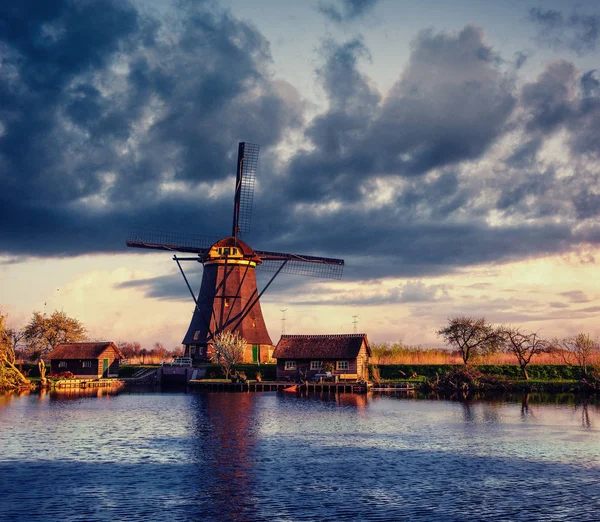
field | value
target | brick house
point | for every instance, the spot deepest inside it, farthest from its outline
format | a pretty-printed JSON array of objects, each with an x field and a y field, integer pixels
[
  {"x": 86, "y": 360},
  {"x": 305, "y": 355}
]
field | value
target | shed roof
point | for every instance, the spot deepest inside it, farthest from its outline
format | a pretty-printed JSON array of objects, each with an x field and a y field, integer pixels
[
  {"x": 82, "y": 350},
  {"x": 338, "y": 346}
]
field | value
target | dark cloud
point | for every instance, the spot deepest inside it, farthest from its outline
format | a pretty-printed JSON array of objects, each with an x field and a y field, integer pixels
[
  {"x": 451, "y": 103},
  {"x": 139, "y": 125},
  {"x": 346, "y": 10},
  {"x": 562, "y": 98},
  {"x": 549, "y": 99},
  {"x": 110, "y": 117},
  {"x": 577, "y": 32}
]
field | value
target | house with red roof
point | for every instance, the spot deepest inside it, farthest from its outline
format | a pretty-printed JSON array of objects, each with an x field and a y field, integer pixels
[
  {"x": 305, "y": 356},
  {"x": 86, "y": 360}
]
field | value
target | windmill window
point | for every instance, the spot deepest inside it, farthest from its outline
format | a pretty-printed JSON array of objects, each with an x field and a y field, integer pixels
[
  {"x": 290, "y": 365},
  {"x": 220, "y": 251},
  {"x": 226, "y": 302},
  {"x": 62, "y": 364},
  {"x": 226, "y": 251},
  {"x": 315, "y": 365},
  {"x": 87, "y": 364},
  {"x": 196, "y": 335},
  {"x": 342, "y": 365}
]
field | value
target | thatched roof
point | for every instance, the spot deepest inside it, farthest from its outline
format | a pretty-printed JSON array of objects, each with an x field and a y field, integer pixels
[
  {"x": 83, "y": 350},
  {"x": 340, "y": 346}
]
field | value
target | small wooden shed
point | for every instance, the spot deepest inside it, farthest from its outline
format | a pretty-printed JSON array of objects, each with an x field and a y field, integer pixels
[
  {"x": 86, "y": 360},
  {"x": 299, "y": 355}
]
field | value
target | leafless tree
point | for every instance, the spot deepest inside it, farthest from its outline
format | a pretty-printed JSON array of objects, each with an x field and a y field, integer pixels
[
  {"x": 130, "y": 349},
  {"x": 159, "y": 351},
  {"x": 229, "y": 351},
  {"x": 523, "y": 346},
  {"x": 10, "y": 375},
  {"x": 577, "y": 350},
  {"x": 470, "y": 336}
]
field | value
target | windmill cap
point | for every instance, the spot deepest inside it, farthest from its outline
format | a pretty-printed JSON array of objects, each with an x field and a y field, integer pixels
[{"x": 233, "y": 242}]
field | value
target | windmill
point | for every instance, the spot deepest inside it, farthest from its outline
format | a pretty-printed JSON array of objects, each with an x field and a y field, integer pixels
[{"x": 229, "y": 299}]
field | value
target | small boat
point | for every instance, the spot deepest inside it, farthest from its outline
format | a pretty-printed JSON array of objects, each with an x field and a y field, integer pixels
[{"x": 291, "y": 388}]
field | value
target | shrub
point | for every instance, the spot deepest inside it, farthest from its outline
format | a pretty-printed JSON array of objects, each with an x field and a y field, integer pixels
[{"x": 466, "y": 378}]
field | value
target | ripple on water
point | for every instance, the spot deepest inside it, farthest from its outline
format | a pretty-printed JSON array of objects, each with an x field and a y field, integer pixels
[{"x": 281, "y": 457}]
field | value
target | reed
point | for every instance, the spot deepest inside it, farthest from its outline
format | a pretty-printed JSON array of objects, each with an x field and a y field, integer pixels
[{"x": 398, "y": 353}]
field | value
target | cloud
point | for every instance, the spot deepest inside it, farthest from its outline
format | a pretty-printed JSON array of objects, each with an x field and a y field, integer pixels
[
  {"x": 577, "y": 32},
  {"x": 138, "y": 127},
  {"x": 343, "y": 11},
  {"x": 451, "y": 103},
  {"x": 409, "y": 292},
  {"x": 112, "y": 117},
  {"x": 576, "y": 296}
]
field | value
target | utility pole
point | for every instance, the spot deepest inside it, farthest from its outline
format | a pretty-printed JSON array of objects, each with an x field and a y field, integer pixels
[
  {"x": 283, "y": 311},
  {"x": 355, "y": 317}
]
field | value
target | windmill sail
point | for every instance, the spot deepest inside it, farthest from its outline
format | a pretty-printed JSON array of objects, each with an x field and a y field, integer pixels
[
  {"x": 297, "y": 264},
  {"x": 244, "y": 187},
  {"x": 170, "y": 241}
]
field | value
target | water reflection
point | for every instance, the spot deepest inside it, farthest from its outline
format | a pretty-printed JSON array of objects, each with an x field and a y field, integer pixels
[
  {"x": 225, "y": 453},
  {"x": 269, "y": 456}
]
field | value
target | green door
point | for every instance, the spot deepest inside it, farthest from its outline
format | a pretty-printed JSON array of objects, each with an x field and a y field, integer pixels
[
  {"x": 104, "y": 367},
  {"x": 255, "y": 353}
]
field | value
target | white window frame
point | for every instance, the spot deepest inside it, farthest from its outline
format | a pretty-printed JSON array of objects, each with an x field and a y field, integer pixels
[
  {"x": 342, "y": 365},
  {"x": 290, "y": 365},
  {"x": 62, "y": 364},
  {"x": 316, "y": 365},
  {"x": 86, "y": 364}
]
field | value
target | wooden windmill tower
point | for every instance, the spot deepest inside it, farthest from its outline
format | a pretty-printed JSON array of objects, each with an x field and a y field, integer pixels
[{"x": 229, "y": 298}]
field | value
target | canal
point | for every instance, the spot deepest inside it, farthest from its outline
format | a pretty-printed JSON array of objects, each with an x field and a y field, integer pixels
[{"x": 278, "y": 456}]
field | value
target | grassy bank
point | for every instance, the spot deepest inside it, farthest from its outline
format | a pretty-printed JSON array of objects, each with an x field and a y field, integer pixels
[{"x": 537, "y": 372}]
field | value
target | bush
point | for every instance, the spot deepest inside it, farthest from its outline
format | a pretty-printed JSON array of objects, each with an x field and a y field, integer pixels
[
  {"x": 61, "y": 375},
  {"x": 466, "y": 378}
]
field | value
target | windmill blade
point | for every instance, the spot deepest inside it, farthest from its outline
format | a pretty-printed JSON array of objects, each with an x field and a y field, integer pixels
[
  {"x": 172, "y": 241},
  {"x": 324, "y": 267},
  {"x": 244, "y": 187}
]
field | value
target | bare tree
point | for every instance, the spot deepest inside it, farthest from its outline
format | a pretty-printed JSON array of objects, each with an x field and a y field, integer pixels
[
  {"x": 159, "y": 351},
  {"x": 10, "y": 375},
  {"x": 130, "y": 349},
  {"x": 523, "y": 346},
  {"x": 577, "y": 350},
  {"x": 45, "y": 333},
  {"x": 470, "y": 336},
  {"x": 229, "y": 351}
]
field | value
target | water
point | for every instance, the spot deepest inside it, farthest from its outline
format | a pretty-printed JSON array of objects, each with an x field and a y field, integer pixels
[{"x": 281, "y": 457}]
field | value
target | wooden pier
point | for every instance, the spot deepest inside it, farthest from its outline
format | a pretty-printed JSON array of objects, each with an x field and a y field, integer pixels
[
  {"x": 87, "y": 383},
  {"x": 310, "y": 387}
]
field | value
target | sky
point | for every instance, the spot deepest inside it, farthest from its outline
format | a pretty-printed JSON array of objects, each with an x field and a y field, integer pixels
[{"x": 446, "y": 150}]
